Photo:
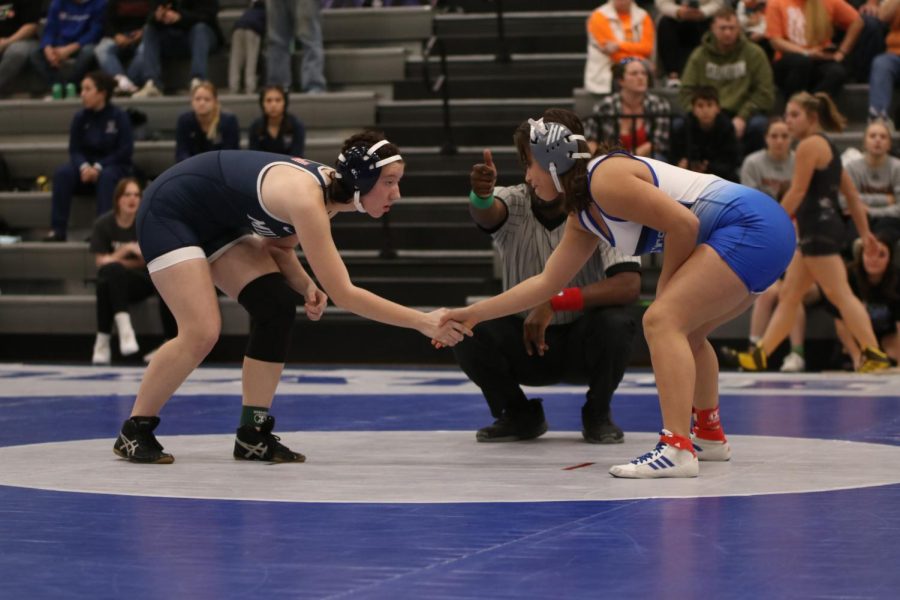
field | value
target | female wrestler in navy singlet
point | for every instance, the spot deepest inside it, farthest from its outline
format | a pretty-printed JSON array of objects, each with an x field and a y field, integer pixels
[
  {"x": 721, "y": 243},
  {"x": 231, "y": 219}
]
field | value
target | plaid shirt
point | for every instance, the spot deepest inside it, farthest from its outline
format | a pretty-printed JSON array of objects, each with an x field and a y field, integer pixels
[{"x": 603, "y": 125}]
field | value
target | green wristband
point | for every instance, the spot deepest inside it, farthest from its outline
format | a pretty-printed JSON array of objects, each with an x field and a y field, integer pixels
[{"x": 479, "y": 202}]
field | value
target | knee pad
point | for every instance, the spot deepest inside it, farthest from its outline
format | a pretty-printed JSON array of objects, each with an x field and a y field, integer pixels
[{"x": 272, "y": 306}]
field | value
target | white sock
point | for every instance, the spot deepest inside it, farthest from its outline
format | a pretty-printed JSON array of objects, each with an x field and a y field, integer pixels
[
  {"x": 127, "y": 340},
  {"x": 102, "y": 353}
]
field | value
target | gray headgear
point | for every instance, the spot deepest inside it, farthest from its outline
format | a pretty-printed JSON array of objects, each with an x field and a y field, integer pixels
[{"x": 555, "y": 148}]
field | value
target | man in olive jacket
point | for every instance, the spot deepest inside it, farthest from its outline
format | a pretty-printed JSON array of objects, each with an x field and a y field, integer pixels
[{"x": 740, "y": 71}]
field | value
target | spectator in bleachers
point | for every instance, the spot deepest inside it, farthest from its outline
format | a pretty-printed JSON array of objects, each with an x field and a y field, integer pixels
[
  {"x": 18, "y": 37},
  {"x": 886, "y": 67},
  {"x": 801, "y": 32},
  {"x": 178, "y": 29},
  {"x": 245, "y": 42},
  {"x": 751, "y": 15},
  {"x": 72, "y": 30},
  {"x": 122, "y": 276},
  {"x": 770, "y": 171},
  {"x": 874, "y": 276},
  {"x": 680, "y": 30},
  {"x": 741, "y": 74},
  {"x": 876, "y": 174},
  {"x": 277, "y": 130},
  {"x": 705, "y": 141},
  {"x": 632, "y": 117},
  {"x": 100, "y": 149},
  {"x": 206, "y": 126},
  {"x": 286, "y": 21},
  {"x": 616, "y": 30},
  {"x": 122, "y": 33}
]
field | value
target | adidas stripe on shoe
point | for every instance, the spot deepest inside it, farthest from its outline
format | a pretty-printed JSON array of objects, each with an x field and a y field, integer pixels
[{"x": 673, "y": 457}]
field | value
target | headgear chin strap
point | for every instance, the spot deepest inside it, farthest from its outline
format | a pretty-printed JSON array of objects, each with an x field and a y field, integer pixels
[
  {"x": 555, "y": 148},
  {"x": 359, "y": 168}
]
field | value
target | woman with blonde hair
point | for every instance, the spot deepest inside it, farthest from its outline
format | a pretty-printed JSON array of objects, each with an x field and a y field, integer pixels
[
  {"x": 801, "y": 33},
  {"x": 206, "y": 126},
  {"x": 812, "y": 200}
]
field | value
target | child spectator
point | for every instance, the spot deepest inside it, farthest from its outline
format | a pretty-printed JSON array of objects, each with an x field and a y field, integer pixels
[
  {"x": 245, "y": 43},
  {"x": 705, "y": 141},
  {"x": 122, "y": 33},
  {"x": 100, "y": 149},
  {"x": 18, "y": 31},
  {"x": 73, "y": 29},
  {"x": 205, "y": 127},
  {"x": 616, "y": 30},
  {"x": 122, "y": 276},
  {"x": 277, "y": 130}
]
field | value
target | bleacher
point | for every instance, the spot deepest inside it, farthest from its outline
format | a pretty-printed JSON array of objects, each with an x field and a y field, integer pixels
[{"x": 429, "y": 253}]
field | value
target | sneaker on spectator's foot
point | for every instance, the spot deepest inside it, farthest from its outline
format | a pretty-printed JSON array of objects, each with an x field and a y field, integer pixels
[
  {"x": 673, "y": 457},
  {"x": 260, "y": 444},
  {"x": 137, "y": 443},
  {"x": 102, "y": 352},
  {"x": 673, "y": 83},
  {"x": 526, "y": 422},
  {"x": 195, "y": 83},
  {"x": 793, "y": 363},
  {"x": 873, "y": 360},
  {"x": 56, "y": 91},
  {"x": 71, "y": 91},
  {"x": 711, "y": 450},
  {"x": 148, "y": 91},
  {"x": 600, "y": 430},
  {"x": 54, "y": 236},
  {"x": 124, "y": 86},
  {"x": 128, "y": 343}
]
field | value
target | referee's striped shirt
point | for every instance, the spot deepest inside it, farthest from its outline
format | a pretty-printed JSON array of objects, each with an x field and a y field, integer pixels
[{"x": 525, "y": 244}]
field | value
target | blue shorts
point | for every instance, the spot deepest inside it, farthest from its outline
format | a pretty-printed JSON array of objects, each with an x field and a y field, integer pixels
[{"x": 749, "y": 230}]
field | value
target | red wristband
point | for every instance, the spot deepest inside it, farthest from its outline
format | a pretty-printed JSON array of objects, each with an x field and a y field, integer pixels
[{"x": 568, "y": 299}]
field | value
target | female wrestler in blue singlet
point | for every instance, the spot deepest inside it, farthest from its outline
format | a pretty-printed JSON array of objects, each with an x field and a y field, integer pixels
[
  {"x": 721, "y": 242},
  {"x": 231, "y": 220}
]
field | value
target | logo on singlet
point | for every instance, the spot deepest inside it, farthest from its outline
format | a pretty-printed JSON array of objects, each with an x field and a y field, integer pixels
[{"x": 260, "y": 227}]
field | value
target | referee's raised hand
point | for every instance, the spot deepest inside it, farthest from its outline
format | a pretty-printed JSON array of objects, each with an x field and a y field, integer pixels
[{"x": 484, "y": 176}]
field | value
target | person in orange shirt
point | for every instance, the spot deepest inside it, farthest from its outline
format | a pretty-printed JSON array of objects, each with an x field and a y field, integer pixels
[
  {"x": 801, "y": 33},
  {"x": 618, "y": 29}
]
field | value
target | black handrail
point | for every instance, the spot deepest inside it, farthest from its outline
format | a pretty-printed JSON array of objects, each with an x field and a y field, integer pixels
[
  {"x": 503, "y": 55},
  {"x": 441, "y": 84}
]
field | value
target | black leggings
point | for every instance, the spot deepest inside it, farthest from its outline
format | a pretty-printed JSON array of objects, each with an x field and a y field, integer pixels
[{"x": 117, "y": 287}]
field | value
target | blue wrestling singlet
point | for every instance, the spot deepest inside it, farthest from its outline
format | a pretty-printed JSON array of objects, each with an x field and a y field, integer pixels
[
  {"x": 211, "y": 200},
  {"x": 748, "y": 229}
]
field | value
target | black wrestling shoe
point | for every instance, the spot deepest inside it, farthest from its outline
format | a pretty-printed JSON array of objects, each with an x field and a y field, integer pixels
[
  {"x": 525, "y": 422},
  {"x": 600, "y": 430},
  {"x": 137, "y": 443},
  {"x": 261, "y": 444}
]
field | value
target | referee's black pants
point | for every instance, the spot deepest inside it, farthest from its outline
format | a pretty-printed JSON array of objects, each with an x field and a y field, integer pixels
[{"x": 593, "y": 350}]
